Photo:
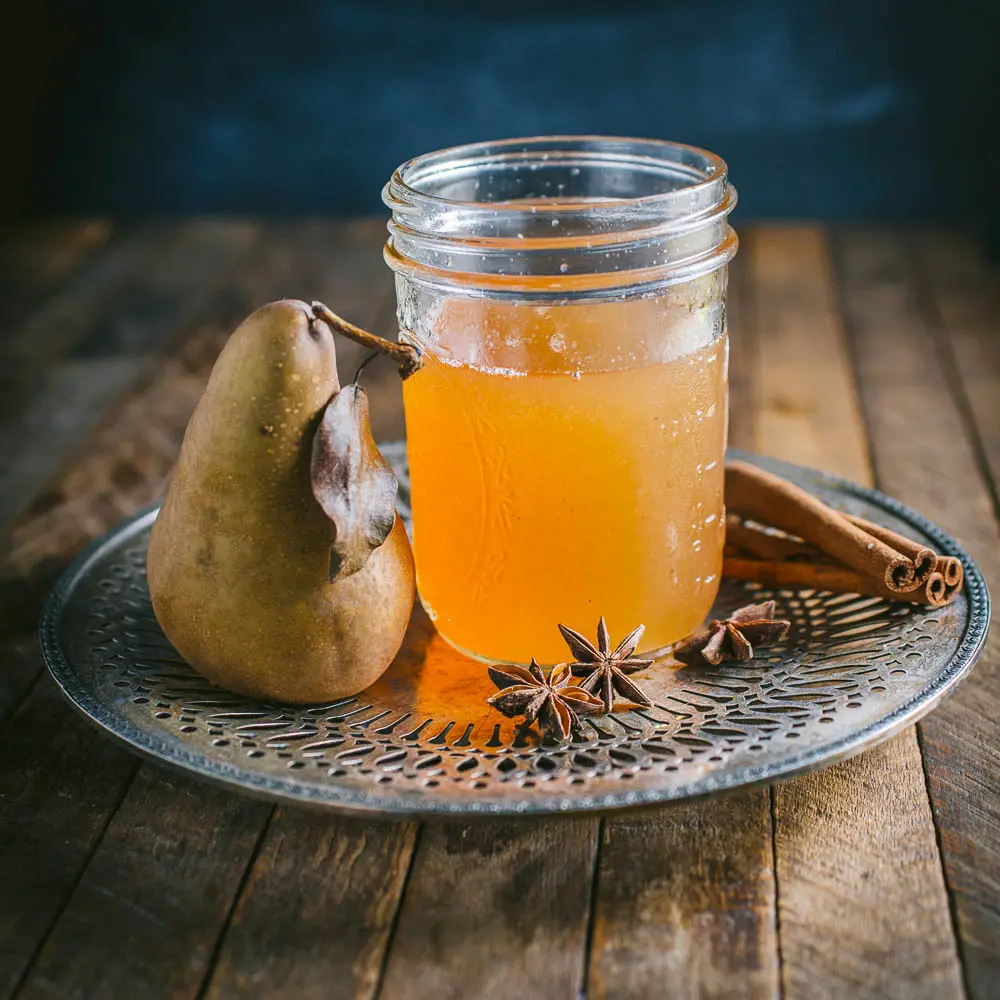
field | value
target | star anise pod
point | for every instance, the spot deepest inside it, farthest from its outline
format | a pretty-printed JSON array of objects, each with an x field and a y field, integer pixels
[
  {"x": 552, "y": 701},
  {"x": 605, "y": 672},
  {"x": 734, "y": 638}
]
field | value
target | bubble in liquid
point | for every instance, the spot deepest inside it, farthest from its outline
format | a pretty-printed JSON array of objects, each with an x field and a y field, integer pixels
[
  {"x": 555, "y": 222},
  {"x": 557, "y": 342},
  {"x": 564, "y": 267}
]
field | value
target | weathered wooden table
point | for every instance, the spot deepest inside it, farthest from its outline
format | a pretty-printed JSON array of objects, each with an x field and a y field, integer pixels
[{"x": 875, "y": 355}]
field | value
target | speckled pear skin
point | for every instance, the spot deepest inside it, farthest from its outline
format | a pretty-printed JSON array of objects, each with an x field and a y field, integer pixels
[{"x": 239, "y": 556}]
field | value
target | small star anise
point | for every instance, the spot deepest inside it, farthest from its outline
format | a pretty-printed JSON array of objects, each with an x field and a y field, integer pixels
[
  {"x": 734, "y": 638},
  {"x": 553, "y": 701},
  {"x": 605, "y": 672}
]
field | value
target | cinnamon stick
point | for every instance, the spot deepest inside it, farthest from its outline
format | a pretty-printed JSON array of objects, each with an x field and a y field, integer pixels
[
  {"x": 924, "y": 558},
  {"x": 761, "y": 496},
  {"x": 951, "y": 569},
  {"x": 764, "y": 544},
  {"x": 821, "y": 576},
  {"x": 953, "y": 572}
]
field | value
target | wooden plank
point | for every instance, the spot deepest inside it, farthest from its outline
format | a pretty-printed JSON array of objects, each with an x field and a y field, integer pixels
[
  {"x": 315, "y": 919},
  {"x": 862, "y": 905},
  {"x": 495, "y": 910},
  {"x": 35, "y": 257},
  {"x": 809, "y": 408},
  {"x": 686, "y": 903},
  {"x": 142, "y": 920},
  {"x": 923, "y": 456},
  {"x": 59, "y": 782},
  {"x": 957, "y": 280},
  {"x": 685, "y": 895},
  {"x": 108, "y": 354},
  {"x": 65, "y": 317},
  {"x": 960, "y": 294},
  {"x": 124, "y": 466}
]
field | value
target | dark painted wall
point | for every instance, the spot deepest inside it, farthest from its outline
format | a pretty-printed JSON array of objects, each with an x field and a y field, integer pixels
[{"x": 829, "y": 109}]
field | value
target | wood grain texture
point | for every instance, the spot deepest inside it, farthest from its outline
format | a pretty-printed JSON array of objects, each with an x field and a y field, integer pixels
[
  {"x": 809, "y": 411},
  {"x": 124, "y": 465},
  {"x": 959, "y": 290},
  {"x": 144, "y": 917},
  {"x": 36, "y": 257},
  {"x": 106, "y": 354},
  {"x": 923, "y": 456},
  {"x": 316, "y": 915},
  {"x": 862, "y": 904},
  {"x": 956, "y": 278},
  {"x": 685, "y": 902},
  {"x": 59, "y": 782},
  {"x": 67, "y": 316},
  {"x": 495, "y": 910}
]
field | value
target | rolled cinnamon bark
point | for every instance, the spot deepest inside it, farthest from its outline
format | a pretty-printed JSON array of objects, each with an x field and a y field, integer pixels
[
  {"x": 761, "y": 496},
  {"x": 951, "y": 569},
  {"x": 924, "y": 558},
  {"x": 813, "y": 576},
  {"x": 953, "y": 572},
  {"x": 763, "y": 544}
]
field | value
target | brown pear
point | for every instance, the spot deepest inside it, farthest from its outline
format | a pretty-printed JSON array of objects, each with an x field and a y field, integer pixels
[{"x": 277, "y": 565}]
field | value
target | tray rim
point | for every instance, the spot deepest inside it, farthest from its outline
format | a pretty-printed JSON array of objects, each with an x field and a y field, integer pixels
[{"x": 349, "y": 800}]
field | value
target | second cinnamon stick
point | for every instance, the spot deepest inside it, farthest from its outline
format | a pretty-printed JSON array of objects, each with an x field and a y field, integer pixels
[
  {"x": 761, "y": 496},
  {"x": 813, "y": 576}
]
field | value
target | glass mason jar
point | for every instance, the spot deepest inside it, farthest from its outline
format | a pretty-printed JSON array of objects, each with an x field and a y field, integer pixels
[{"x": 566, "y": 432}]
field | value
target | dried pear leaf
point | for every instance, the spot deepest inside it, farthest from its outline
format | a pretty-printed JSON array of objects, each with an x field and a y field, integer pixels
[{"x": 352, "y": 482}]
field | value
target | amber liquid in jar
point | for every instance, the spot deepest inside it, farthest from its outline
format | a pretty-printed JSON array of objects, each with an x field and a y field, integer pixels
[{"x": 546, "y": 493}]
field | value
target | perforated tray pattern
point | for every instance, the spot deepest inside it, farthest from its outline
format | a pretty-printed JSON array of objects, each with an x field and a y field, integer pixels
[{"x": 422, "y": 739}]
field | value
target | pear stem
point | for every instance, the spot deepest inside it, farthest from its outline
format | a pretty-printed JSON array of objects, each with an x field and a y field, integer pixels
[{"x": 406, "y": 356}]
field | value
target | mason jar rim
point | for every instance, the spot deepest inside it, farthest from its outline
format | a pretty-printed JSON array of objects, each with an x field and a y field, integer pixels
[
  {"x": 569, "y": 213},
  {"x": 401, "y": 187}
]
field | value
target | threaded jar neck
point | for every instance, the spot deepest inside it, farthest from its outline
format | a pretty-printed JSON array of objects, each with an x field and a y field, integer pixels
[{"x": 558, "y": 215}]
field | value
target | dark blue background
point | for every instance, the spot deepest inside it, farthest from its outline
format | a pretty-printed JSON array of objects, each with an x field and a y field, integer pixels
[{"x": 823, "y": 109}]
